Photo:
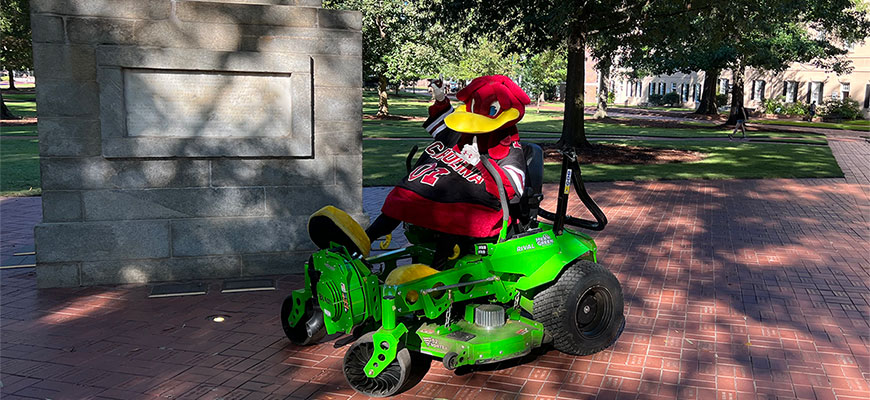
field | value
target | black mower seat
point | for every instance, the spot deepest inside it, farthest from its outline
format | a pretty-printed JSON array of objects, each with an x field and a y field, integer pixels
[{"x": 526, "y": 208}]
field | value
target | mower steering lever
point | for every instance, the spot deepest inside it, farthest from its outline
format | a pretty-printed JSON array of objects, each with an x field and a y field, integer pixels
[{"x": 571, "y": 175}]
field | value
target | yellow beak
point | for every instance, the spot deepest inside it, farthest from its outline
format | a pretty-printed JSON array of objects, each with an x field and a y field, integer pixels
[{"x": 463, "y": 121}]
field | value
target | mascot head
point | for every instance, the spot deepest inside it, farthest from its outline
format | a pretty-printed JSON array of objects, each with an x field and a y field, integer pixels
[{"x": 491, "y": 103}]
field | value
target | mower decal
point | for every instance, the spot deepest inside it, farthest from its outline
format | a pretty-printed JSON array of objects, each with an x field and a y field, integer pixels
[
  {"x": 544, "y": 240},
  {"x": 345, "y": 301},
  {"x": 461, "y": 336},
  {"x": 434, "y": 343},
  {"x": 525, "y": 247},
  {"x": 568, "y": 181},
  {"x": 523, "y": 331}
]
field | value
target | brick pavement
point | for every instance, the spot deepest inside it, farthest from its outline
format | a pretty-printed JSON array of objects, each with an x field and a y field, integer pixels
[{"x": 754, "y": 289}]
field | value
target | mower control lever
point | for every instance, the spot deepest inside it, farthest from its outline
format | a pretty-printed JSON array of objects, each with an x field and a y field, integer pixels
[
  {"x": 502, "y": 197},
  {"x": 571, "y": 175}
]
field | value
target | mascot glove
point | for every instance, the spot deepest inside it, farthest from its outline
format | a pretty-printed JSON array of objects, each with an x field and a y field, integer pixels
[
  {"x": 470, "y": 153},
  {"x": 438, "y": 89}
]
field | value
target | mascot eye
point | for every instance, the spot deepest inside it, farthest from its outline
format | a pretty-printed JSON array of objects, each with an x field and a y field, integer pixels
[{"x": 494, "y": 108}]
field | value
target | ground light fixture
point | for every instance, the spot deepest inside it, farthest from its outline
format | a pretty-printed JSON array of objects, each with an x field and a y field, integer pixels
[{"x": 218, "y": 318}]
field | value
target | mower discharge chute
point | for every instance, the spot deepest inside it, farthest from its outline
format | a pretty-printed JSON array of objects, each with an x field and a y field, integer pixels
[{"x": 536, "y": 283}]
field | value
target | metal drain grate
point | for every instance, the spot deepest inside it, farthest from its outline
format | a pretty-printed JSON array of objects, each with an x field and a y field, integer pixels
[
  {"x": 248, "y": 285},
  {"x": 178, "y": 289}
]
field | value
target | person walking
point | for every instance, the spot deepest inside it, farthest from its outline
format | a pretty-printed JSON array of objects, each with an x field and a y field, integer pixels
[{"x": 741, "y": 123}]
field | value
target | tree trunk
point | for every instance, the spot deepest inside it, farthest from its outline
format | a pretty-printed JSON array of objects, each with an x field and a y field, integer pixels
[
  {"x": 5, "y": 113},
  {"x": 383, "y": 109},
  {"x": 603, "y": 90},
  {"x": 736, "y": 94},
  {"x": 708, "y": 104},
  {"x": 11, "y": 80},
  {"x": 573, "y": 132}
]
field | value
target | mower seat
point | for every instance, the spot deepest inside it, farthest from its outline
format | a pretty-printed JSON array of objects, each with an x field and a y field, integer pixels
[
  {"x": 330, "y": 224},
  {"x": 526, "y": 209}
]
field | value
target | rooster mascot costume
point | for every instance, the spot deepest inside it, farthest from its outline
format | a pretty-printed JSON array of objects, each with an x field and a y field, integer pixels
[{"x": 449, "y": 190}]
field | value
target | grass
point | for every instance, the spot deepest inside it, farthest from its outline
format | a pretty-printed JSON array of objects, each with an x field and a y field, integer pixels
[
  {"x": 22, "y": 105},
  {"x": 658, "y": 108},
  {"x": 551, "y": 128},
  {"x": 19, "y": 169},
  {"x": 384, "y": 162},
  {"x": 19, "y": 158},
  {"x": 856, "y": 125}
]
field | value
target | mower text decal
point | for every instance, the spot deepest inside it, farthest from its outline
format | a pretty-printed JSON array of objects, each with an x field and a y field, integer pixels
[
  {"x": 438, "y": 151},
  {"x": 568, "y": 181},
  {"x": 434, "y": 343},
  {"x": 344, "y": 298},
  {"x": 525, "y": 247},
  {"x": 545, "y": 240},
  {"x": 429, "y": 173}
]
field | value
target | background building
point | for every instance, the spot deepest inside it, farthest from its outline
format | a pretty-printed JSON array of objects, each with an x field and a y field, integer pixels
[{"x": 799, "y": 83}]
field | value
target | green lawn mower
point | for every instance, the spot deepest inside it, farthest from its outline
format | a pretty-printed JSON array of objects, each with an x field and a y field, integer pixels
[{"x": 498, "y": 299}]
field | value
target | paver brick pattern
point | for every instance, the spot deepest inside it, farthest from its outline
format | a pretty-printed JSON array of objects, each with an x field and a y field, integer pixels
[{"x": 736, "y": 289}]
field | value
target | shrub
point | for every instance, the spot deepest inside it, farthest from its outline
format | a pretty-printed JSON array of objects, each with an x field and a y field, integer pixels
[
  {"x": 778, "y": 106},
  {"x": 798, "y": 108},
  {"x": 611, "y": 97},
  {"x": 840, "y": 109},
  {"x": 655, "y": 99},
  {"x": 774, "y": 105},
  {"x": 721, "y": 99},
  {"x": 671, "y": 99}
]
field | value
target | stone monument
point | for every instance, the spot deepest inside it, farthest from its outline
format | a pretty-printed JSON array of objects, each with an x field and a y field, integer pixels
[{"x": 186, "y": 139}]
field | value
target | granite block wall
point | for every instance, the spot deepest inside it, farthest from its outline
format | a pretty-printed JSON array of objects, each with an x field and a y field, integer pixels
[{"x": 191, "y": 139}]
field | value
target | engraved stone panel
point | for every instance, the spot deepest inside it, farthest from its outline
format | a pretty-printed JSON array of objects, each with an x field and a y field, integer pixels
[{"x": 207, "y": 104}]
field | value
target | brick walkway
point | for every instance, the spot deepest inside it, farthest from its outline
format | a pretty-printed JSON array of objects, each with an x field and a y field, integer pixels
[{"x": 738, "y": 289}]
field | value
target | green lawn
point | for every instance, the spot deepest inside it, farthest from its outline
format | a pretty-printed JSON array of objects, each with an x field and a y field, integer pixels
[
  {"x": 550, "y": 128},
  {"x": 19, "y": 169},
  {"x": 856, "y": 125},
  {"x": 22, "y": 105},
  {"x": 384, "y": 162}
]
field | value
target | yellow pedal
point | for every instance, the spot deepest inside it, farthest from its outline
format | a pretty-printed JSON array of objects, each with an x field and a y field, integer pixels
[{"x": 385, "y": 244}]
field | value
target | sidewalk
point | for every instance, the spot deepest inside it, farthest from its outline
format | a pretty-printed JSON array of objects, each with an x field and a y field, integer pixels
[{"x": 735, "y": 289}]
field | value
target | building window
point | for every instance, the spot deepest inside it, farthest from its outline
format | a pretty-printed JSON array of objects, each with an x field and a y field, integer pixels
[
  {"x": 844, "y": 90},
  {"x": 673, "y": 87},
  {"x": 685, "y": 91},
  {"x": 814, "y": 93},
  {"x": 867, "y": 96},
  {"x": 661, "y": 88},
  {"x": 652, "y": 88},
  {"x": 789, "y": 91},
  {"x": 757, "y": 90},
  {"x": 723, "y": 86},
  {"x": 697, "y": 94},
  {"x": 639, "y": 88}
]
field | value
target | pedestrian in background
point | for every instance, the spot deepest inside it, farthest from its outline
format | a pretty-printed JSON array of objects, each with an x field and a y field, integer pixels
[{"x": 741, "y": 123}]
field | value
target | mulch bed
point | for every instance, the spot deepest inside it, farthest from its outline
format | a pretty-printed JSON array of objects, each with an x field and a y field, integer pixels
[{"x": 605, "y": 153}]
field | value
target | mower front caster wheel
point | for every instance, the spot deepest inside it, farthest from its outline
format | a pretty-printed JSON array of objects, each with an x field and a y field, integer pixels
[
  {"x": 310, "y": 328},
  {"x": 583, "y": 310},
  {"x": 389, "y": 382}
]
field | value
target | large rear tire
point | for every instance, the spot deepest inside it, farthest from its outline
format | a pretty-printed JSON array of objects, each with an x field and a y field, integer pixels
[
  {"x": 390, "y": 381},
  {"x": 310, "y": 328},
  {"x": 583, "y": 310}
]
